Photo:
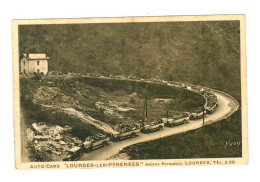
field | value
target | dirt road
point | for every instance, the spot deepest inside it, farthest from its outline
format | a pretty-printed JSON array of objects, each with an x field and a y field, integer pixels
[{"x": 226, "y": 106}]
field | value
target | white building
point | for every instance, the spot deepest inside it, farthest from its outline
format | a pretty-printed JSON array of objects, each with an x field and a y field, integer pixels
[{"x": 34, "y": 63}]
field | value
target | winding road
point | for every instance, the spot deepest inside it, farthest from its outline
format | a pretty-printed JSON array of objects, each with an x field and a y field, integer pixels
[{"x": 227, "y": 105}]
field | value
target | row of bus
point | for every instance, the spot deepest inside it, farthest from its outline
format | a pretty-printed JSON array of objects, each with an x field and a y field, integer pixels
[{"x": 147, "y": 125}]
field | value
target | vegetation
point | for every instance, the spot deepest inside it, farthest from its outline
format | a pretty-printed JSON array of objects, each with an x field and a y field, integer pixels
[
  {"x": 206, "y": 142},
  {"x": 37, "y": 76},
  {"x": 99, "y": 99},
  {"x": 33, "y": 113},
  {"x": 205, "y": 53}
]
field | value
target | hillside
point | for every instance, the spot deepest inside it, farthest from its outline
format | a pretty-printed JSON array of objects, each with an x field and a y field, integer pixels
[
  {"x": 100, "y": 103},
  {"x": 59, "y": 112},
  {"x": 205, "y": 53}
]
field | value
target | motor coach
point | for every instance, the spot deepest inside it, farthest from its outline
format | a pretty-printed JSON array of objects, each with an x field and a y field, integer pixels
[
  {"x": 74, "y": 154},
  {"x": 97, "y": 141},
  {"x": 126, "y": 131},
  {"x": 211, "y": 109},
  {"x": 197, "y": 115},
  {"x": 153, "y": 126},
  {"x": 177, "y": 120}
]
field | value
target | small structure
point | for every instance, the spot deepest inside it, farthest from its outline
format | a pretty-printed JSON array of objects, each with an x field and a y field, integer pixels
[{"x": 34, "y": 63}]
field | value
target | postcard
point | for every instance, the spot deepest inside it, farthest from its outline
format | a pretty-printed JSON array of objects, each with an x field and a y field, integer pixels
[{"x": 130, "y": 92}]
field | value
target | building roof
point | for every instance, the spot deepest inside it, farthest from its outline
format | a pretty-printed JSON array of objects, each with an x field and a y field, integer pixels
[{"x": 35, "y": 56}]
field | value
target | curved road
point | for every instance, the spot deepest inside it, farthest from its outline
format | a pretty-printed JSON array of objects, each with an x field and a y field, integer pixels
[{"x": 227, "y": 105}]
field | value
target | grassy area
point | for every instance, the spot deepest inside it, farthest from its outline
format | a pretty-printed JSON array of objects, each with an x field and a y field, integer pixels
[
  {"x": 109, "y": 101},
  {"x": 206, "y": 142},
  {"x": 33, "y": 113}
]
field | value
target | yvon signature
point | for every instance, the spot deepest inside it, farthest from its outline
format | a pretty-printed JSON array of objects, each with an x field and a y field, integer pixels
[{"x": 232, "y": 144}]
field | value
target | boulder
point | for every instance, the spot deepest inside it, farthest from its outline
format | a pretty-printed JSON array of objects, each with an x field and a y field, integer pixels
[
  {"x": 62, "y": 142},
  {"x": 29, "y": 134},
  {"x": 58, "y": 137},
  {"x": 36, "y": 127},
  {"x": 57, "y": 130},
  {"x": 40, "y": 137}
]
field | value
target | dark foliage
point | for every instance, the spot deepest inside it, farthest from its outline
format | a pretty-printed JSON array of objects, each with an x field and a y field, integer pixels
[
  {"x": 206, "y": 53},
  {"x": 206, "y": 142},
  {"x": 37, "y": 76}
]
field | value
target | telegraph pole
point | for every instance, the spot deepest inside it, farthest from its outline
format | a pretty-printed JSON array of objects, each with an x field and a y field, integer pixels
[
  {"x": 203, "y": 113},
  {"x": 146, "y": 112},
  {"x": 143, "y": 114}
]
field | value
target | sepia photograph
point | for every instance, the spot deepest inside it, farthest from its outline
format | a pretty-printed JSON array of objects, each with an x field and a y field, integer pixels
[{"x": 130, "y": 92}]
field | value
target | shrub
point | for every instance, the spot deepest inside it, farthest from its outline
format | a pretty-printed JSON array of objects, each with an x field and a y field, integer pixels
[
  {"x": 37, "y": 76},
  {"x": 132, "y": 101}
]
